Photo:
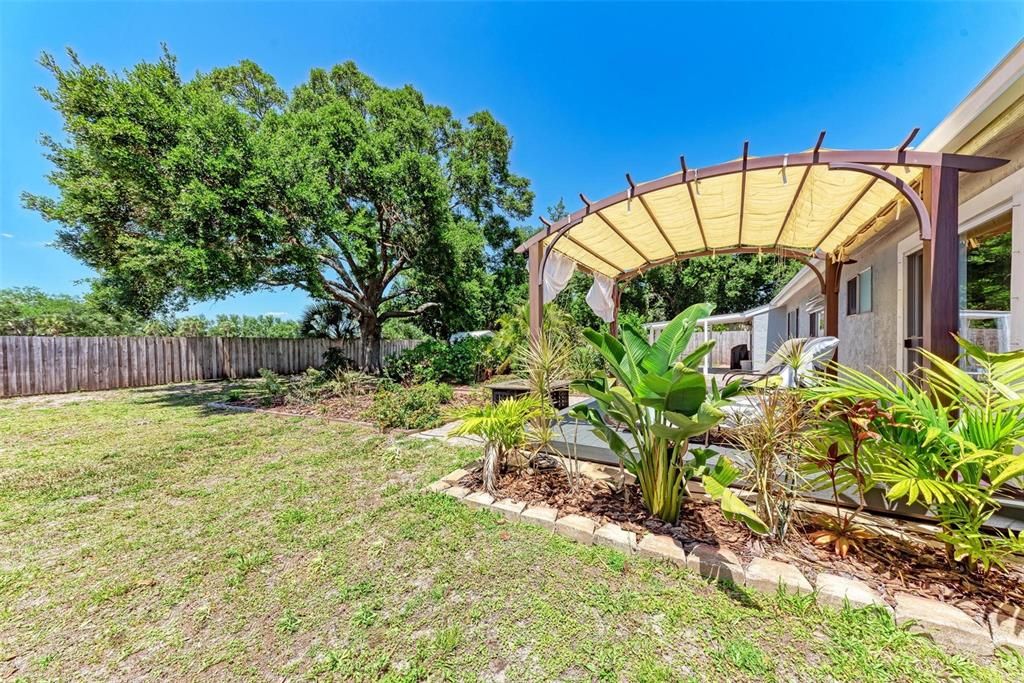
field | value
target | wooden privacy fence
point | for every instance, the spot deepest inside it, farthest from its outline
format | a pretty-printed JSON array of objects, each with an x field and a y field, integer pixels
[
  {"x": 52, "y": 365},
  {"x": 721, "y": 354}
]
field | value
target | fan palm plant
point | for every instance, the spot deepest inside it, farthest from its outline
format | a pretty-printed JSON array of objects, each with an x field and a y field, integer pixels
[
  {"x": 949, "y": 442},
  {"x": 503, "y": 426},
  {"x": 663, "y": 401}
]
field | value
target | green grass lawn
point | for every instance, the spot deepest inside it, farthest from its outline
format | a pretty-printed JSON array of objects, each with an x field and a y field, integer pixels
[{"x": 142, "y": 535}]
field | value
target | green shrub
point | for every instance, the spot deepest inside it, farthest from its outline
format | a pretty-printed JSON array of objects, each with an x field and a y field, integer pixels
[
  {"x": 351, "y": 383},
  {"x": 336, "y": 361},
  {"x": 463, "y": 362},
  {"x": 272, "y": 387},
  {"x": 310, "y": 387},
  {"x": 947, "y": 440},
  {"x": 405, "y": 366},
  {"x": 413, "y": 407}
]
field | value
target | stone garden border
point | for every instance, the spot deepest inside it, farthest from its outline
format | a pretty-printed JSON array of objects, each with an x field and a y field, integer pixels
[{"x": 948, "y": 626}]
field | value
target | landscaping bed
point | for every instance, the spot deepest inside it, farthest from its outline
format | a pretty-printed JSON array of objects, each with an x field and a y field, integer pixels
[
  {"x": 355, "y": 397},
  {"x": 148, "y": 537},
  {"x": 350, "y": 408},
  {"x": 899, "y": 558}
]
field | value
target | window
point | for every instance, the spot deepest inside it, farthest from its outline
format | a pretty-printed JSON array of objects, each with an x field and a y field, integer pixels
[
  {"x": 858, "y": 293},
  {"x": 864, "y": 291},
  {"x": 815, "y": 324},
  {"x": 793, "y": 324}
]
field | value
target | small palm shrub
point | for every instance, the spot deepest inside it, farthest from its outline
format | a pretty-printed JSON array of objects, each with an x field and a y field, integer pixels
[
  {"x": 950, "y": 443},
  {"x": 662, "y": 400},
  {"x": 503, "y": 426}
]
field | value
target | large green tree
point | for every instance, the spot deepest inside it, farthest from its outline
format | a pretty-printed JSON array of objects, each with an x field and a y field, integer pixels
[{"x": 179, "y": 190}]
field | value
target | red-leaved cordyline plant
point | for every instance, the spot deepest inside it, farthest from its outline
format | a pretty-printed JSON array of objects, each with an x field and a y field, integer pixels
[{"x": 835, "y": 455}]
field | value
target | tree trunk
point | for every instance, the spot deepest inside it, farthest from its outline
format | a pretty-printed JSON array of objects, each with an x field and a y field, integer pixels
[{"x": 369, "y": 333}]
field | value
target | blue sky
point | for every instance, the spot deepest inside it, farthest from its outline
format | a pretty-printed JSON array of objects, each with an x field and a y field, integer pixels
[{"x": 588, "y": 91}]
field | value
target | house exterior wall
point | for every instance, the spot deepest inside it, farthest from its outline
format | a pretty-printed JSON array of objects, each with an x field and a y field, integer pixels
[
  {"x": 802, "y": 299},
  {"x": 776, "y": 330},
  {"x": 871, "y": 341}
]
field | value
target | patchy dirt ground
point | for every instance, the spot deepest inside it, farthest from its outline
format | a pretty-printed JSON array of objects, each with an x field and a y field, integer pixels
[{"x": 144, "y": 536}]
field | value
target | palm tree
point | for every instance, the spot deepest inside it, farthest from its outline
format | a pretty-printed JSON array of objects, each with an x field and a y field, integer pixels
[{"x": 328, "y": 319}]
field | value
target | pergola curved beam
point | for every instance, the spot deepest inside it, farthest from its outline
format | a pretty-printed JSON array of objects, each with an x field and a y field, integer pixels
[{"x": 904, "y": 189}]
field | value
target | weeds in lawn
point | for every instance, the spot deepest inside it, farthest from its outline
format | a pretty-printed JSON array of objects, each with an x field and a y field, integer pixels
[
  {"x": 746, "y": 657},
  {"x": 289, "y": 622},
  {"x": 244, "y": 563}
]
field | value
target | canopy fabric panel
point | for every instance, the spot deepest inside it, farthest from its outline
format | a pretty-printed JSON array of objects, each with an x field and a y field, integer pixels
[{"x": 807, "y": 208}]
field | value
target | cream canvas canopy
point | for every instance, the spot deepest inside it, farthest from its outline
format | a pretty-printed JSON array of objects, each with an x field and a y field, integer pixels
[{"x": 820, "y": 203}]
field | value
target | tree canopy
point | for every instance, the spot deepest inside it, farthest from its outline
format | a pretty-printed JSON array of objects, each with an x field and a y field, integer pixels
[
  {"x": 179, "y": 190},
  {"x": 388, "y": 209}
]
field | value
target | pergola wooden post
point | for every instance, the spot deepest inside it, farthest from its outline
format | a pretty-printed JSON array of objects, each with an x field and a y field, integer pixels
[
  {"x": 613, "y": 326},
  {"x": 941, "y": 273},
  {"x": 535, "y": 297},
  {"x": 833, "y": 271}
]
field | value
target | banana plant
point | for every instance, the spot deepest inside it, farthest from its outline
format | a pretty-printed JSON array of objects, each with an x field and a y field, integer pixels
[{"x": 658, "y": 395}]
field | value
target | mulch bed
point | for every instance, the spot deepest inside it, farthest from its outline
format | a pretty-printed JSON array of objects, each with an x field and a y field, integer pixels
[
  {"x": 351, "y": 407},
  {"x": 887, "y": 564}
]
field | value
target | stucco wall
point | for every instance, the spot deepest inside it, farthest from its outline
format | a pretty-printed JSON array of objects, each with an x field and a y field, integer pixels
[
  {"x": 871, "y": 341},
  {"x": 776, "y": 329}
]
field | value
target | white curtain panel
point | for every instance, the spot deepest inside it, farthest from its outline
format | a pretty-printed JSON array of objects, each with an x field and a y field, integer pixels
[
  {"x": 601, "y": 297},
  {"x": 557, "y": 272}
]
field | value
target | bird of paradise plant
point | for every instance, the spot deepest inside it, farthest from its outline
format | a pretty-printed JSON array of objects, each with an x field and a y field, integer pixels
[{"x": 658, "y": 395}]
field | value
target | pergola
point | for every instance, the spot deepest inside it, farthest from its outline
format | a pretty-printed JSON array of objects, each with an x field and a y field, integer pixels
[{"x": 819, "y": 204}]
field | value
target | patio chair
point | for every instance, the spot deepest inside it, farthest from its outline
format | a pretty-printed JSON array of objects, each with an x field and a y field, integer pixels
[{"x": 813, "y": 352}]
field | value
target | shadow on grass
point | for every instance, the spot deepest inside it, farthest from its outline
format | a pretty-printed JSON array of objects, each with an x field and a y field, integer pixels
[
  {"x": 192, "y": 395},
  {"x": 738, "y": 595}
]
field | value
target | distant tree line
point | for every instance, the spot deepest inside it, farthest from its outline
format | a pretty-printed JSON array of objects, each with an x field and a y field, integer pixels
[{"x": 32, "y": 312}]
